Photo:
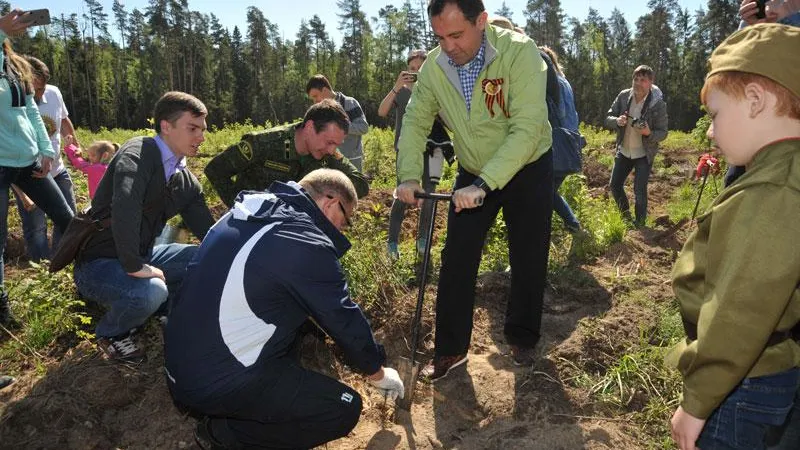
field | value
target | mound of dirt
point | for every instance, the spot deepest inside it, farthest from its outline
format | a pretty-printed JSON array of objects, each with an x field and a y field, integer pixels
[{"x": 86, "y": 402}]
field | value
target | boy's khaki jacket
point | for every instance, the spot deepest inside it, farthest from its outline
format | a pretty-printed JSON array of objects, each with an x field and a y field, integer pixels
[{"x": 737, "y": 278}]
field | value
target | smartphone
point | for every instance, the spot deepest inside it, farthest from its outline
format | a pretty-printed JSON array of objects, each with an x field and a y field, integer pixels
[
  {"x": 413, "y": 76},
  {"x": 36, "y": 17},
  {"x": 762, "y": 9}
]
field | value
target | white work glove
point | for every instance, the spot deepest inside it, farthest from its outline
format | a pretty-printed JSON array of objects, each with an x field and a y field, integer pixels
[{"x": 391, "y": 385}]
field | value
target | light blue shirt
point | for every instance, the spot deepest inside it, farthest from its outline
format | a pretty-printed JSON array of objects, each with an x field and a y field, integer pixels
[
  {"x": 172, "y": 164},
  {"x": 23, "y": 136},
  {"x": 469, "y": 72}
]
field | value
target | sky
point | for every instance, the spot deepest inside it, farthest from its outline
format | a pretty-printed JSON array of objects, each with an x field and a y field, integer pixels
[{"x": 288, "y": 18}]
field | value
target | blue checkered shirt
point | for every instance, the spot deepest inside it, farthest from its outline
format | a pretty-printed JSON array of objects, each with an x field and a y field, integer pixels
[{"x": 468, "y": 73}]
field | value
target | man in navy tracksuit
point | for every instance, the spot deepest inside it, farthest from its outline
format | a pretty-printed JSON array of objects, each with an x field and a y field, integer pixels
[{"x": 263, "y": 269}]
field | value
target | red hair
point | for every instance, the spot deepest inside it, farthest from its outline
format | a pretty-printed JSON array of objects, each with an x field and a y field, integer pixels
[{"x": 733, "y": 83}]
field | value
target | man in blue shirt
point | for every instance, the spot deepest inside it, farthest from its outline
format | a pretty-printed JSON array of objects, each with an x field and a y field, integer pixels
[{"x": 146, "y": 184}]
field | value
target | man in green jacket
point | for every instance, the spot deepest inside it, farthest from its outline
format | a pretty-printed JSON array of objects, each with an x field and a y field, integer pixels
[
  {"x": 285, "y": 153},
  {"x": 488, "y": 85}
]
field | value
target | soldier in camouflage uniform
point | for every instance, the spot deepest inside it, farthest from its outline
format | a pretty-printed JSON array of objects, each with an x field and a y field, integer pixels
[{"x": 285, "y": 153}]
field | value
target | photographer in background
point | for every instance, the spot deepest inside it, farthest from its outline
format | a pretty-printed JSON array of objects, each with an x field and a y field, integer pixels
[
  {"x": 640, "y": 120},
  {"x": 437, "y": 149},
  {"x": 786, "y": 12}
]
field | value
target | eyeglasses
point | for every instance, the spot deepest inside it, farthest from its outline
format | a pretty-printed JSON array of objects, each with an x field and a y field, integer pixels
[{"x": 344, "y": 212}]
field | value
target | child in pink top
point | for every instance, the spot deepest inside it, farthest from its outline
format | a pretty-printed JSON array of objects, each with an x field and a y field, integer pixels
[{"x": 98, "y": 155}]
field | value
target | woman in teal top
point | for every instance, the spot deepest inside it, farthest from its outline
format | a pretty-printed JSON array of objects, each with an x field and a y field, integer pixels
[{"x": 25, "y": 150}]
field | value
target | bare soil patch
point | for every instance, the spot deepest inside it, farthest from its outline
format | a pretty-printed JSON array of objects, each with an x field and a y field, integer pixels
[{"x": 81, "y": 401}]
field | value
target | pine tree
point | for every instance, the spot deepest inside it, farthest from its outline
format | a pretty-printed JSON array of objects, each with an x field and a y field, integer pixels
[{"x": 505, "y": 11}]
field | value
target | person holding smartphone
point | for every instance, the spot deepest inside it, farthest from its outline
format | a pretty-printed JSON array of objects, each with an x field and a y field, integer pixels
[
  {"x": 786, "y": 12},
  {"x": 438, "y": 148},
  {"x": 26, "y": 154}
]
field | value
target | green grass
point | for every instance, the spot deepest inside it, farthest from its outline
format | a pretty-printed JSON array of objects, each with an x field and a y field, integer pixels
[
  {"x": 598, "y": 216},
  {"x": 683, "y": 200},
  {"x": 495, "y": 248},
  {"x": 47, "y": 307},
  {"x": 638, "y": 383},
  {"x": 597, "y": 137},
  {"x": 678, "y": 140},
  {"x": 380, "y": 158}
]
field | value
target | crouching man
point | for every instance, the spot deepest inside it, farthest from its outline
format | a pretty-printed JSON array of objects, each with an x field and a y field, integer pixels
[{"x": 263, "y": 270}]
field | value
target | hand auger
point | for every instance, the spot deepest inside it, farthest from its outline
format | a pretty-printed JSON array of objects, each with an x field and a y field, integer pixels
[{"x": 408, "y": 368}]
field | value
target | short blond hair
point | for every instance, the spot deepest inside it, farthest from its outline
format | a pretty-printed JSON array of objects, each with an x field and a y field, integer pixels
[
  {"x": 103, "y": 149},
  {"x": 322, "y": 182}
]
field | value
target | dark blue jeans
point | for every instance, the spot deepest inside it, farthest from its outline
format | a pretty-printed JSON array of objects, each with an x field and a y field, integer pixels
[
  {"x": 560, "y": 205},
  {"x": 787, "y": 437},
  {"x": 34, "y": 222},
  {"x": 756, "y": 408},
  {"x": 43, "y": 191},
  {"x": 131, "y": 301},
  {"x": 622, "y": 168}
]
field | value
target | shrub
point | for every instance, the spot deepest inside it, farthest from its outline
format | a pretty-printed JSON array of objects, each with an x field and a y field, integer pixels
[
  {"x": 372, "y": 277},
  {"x": 380, "y": 157},
  {"x": 699, "y": 134},
  {"x": 47, "y": 306},
  {"x": 598, "y": 137}
]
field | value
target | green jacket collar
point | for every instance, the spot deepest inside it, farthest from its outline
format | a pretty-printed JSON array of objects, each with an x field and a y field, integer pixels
[
  {"x": 774, "y": 151},
  {"x": 442, "y": 60}
]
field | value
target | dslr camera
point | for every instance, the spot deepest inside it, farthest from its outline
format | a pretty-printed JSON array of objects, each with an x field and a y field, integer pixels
[{"x": 638, "y": 122}]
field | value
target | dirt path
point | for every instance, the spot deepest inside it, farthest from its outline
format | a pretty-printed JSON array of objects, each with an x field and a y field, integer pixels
[{"x": 83, "y": 402}]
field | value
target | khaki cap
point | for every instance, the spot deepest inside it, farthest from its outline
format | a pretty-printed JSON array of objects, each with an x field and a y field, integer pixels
[{"x": 767, "y": 49}]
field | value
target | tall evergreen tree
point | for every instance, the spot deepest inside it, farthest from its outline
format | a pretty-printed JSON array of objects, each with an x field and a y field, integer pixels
[
  {"x": 356, "y": 30},
  {"x": 505, "y": 11},
  {"x": 545, "y": 23},
  {"x": 721, "y": 20}
]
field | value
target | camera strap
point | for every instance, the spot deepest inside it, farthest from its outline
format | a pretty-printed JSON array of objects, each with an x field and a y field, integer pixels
[{"x": 645, "y": 106}]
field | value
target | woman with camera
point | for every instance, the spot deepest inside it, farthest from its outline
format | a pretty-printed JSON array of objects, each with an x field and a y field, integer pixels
[{"x": 438, "y": 149}]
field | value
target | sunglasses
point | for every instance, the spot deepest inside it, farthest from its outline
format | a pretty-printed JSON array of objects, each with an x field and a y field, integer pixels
[{"x": 344, "y": 212}]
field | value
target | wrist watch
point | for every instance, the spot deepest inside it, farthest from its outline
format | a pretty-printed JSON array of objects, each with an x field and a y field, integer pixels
[{"x": 481, "y": 183}]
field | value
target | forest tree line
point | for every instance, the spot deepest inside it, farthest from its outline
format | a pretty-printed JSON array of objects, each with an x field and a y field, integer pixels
[{"x": 112, "y": 68}]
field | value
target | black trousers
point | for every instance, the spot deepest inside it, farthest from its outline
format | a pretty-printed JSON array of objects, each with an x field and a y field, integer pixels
[
  {"x": 527, "y": 202},
  {"x": 289, "y": 408}
]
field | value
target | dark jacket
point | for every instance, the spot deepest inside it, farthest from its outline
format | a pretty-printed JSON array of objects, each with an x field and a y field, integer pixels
[
  {"x": 266, "y": 267},
  {"x": 267, "y": 156},
  {"x": 136, "y": 194},
  {"x": 653, "y": 111}
]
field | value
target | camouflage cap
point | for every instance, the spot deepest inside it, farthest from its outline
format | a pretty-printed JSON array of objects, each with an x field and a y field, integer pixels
[{"x": 767, "y": 49}]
